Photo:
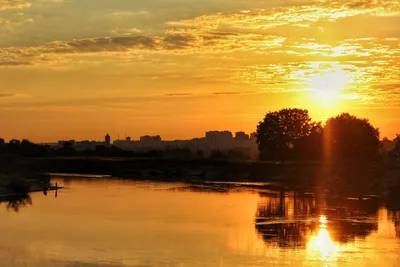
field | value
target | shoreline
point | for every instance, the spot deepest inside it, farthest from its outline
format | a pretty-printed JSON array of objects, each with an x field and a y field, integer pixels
[
  {"x": 7, "y": 197},
  {"x": 354, "y": 177}
]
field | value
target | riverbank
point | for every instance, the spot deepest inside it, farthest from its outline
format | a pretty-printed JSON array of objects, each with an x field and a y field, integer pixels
[
  {"x": 21, "y": 184},
  {"x": 337, "y": 177}
]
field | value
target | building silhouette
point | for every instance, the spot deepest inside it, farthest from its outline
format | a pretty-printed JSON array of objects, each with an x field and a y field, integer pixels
[
  {"x": 107, "y": 140},
  {"x": 242, "y": 136},
  {"x": 219, "y": 140},
  {"x": 212, "y": 140},
  {"x": 150, "y": 139}
]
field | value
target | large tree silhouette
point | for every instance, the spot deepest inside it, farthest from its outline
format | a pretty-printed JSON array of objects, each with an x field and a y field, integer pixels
[
  {"x": 349, "y": 137},
  {"x": 310, "y": 146},
  {"x": 282, "y": 134},
  {"x": 395, "y": 153}
]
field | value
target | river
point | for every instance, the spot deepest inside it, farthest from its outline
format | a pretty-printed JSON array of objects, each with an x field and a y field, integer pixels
[{"x": 106, "y": 222}]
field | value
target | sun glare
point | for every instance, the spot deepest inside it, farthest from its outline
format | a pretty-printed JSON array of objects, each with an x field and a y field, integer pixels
[
  {"x": 321, "y": 244},
  {"x": 323, "y": 221},
  {"x": 328, "y": 87}
]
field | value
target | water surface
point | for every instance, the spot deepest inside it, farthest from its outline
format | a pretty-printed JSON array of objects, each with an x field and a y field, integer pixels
[{"x": 105, "y": 222}]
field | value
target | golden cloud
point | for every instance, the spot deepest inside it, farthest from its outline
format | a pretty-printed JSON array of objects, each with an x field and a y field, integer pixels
[
  {"x": 371, "y": 64},
  {"x": 227, "y": 33},
  {"x": 178, "y": 42},
  {"x": 13, "y": 4},
  {"x": 297, "y": 16}
]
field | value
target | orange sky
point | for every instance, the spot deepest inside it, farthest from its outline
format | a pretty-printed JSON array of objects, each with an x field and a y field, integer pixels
[{"x": 79, "y": 69}]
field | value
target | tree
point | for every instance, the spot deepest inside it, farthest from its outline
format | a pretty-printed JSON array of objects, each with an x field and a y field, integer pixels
[
  {"x": 67, "y": 149},
  {"x": 29, "y": 149},
  {"x": 218, "y": 154},
  {"x": 237, "y": 154},
  {"x": 13, "y": 146},
  {"x": 387, "y": 144},
  {"x": 349, "y": 137},
  {"x": 395, "y": 153},
  {"x": 2, "y": 145},
  {"x": 281, "y": 131},
  {"x": 310, "y": 147}
]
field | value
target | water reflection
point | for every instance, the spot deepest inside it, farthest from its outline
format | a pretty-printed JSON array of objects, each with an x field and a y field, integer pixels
[
  {"x": 128, "y": 223},
  {"x": 395, "y": 217},
  {"x": 321, "y": 245},
  {"x": 16, "y": 202},
  {"x": 288, "y": 219},
  {"x": 326, "y": 227}
]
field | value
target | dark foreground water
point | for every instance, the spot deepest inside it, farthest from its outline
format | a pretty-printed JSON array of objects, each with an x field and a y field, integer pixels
[{"x": 126, "y": 223}]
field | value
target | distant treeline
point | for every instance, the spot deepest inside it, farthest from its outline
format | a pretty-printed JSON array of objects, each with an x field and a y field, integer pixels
[
  {"x": 287, "y": 134},
  {"x": 25, "y": 148}
]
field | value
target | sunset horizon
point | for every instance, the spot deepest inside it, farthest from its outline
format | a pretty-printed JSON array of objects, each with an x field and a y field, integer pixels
[
  {"x": 178, "y": 69},
  {"x": 169, "y": 135}
]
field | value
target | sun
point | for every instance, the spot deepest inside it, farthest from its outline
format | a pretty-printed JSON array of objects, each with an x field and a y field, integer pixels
[
  {"x": 328, "y": 87},
  {"x": 327, "y": 90}
]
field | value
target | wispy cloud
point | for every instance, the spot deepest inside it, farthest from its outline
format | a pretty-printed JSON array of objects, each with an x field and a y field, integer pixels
[
  {"x": 297, "y": 16},
  {"x": 173, "y": 42},
  {"x": 128, "y": 102},
  {"x": 236, "y": 93},
  {"x": 6, "y": 95},
  {"x": 179, "y": 94},
  {"x": 262, "y": 53},
  {"x": 390, "y": 87},
  {"x": 13, "y": 4},
  {"x": 223, "y": 33}
]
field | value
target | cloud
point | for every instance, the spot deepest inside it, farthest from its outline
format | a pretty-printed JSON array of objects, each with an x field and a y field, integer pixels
[
  {"x": 221, "y": 33},
  {"x": 179, "y": 94},
  {"x": 128, "y": 102},
  {"x": 172, "y": 42},
  {"x": 13, "y": 4},
  {"x": 375, "y": 6},
  {"x": 126, "y": 32},
  {"x": 235, "y": 93},
  {"x": 109, "y": 44},
  {"x": 4, "y": 21},
  {"x": 72, "y": 263},
  {"x": 7, "y": 95},
  {"x": 296, "y": 16},
  {"x": 259, "y": 43},
  {"x": 361, "y": 82},
  {"x": 54, "y": 1},
  {"x": 388, "y": 87}
]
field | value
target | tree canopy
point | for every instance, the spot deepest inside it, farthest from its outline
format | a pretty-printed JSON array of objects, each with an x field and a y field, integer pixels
[
  {"x": 292, "y": 134},
  {"x": 283, "y": 132},
  {"x": 349, "y": 137},
  {"x": 396, "y": 150}
]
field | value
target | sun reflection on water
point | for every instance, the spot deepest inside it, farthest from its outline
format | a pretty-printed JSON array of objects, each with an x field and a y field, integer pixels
[
  {"x": 314, "y": 231},
  {"x": 321, "y": 245},
  {"x": 323, "y": 220}
]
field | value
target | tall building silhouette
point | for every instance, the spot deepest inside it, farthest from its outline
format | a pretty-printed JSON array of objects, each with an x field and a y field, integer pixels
[
  {"x": 242, "y": 136},
  {"x": 107, "y": 140}
]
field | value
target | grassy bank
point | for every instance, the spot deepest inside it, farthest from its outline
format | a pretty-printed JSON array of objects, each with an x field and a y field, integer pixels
[
  {"x": 334, "y": 176},
  {"x": 21, "y": 184}
]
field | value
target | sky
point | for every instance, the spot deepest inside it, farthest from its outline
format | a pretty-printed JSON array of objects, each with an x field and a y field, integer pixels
[{"x": 78, "y": 69}]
